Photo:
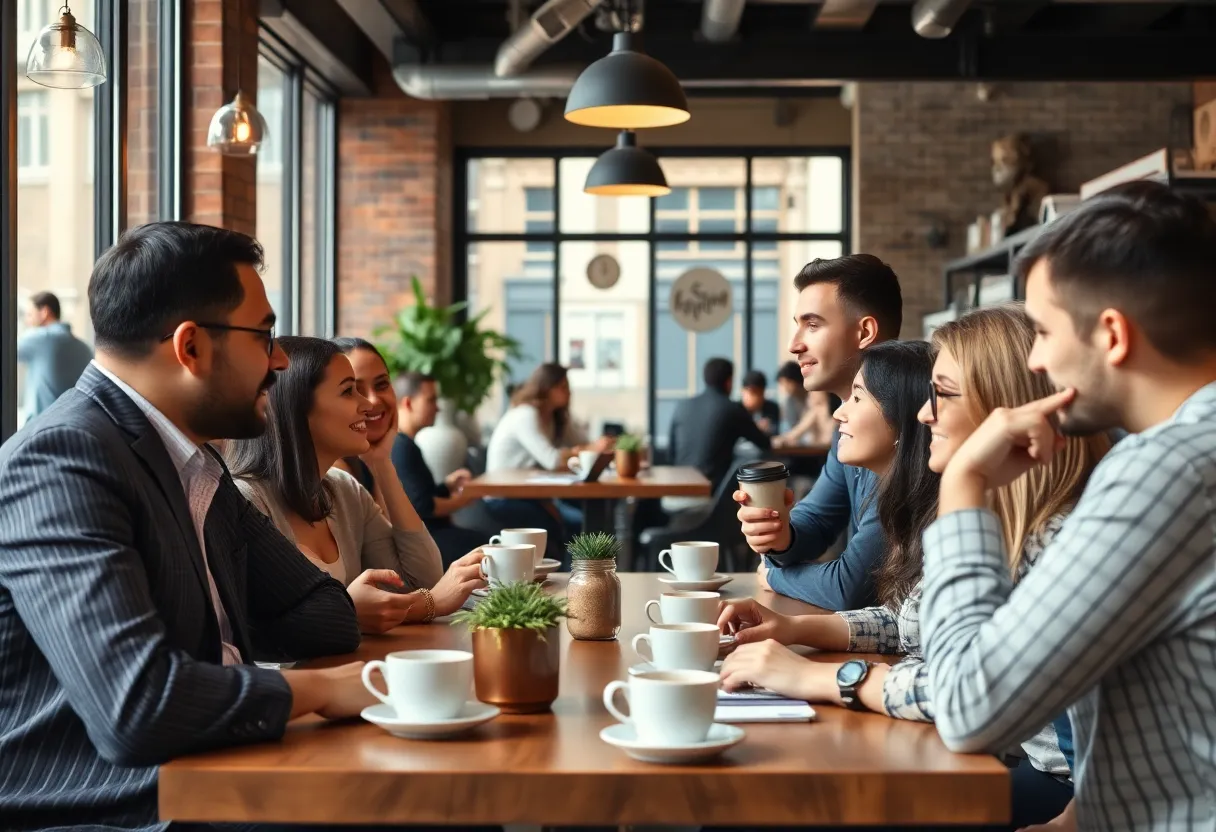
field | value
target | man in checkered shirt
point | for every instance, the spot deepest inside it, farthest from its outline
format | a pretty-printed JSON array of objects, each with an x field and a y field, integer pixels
[{"x": 1117, "y": 621}]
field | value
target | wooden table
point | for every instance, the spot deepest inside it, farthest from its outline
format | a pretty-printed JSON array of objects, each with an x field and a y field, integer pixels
[
  {"x": 845, "y": 768},
  {"x": 598, "y": 497}
]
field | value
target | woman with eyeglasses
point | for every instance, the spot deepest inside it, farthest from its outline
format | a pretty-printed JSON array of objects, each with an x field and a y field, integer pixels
[
  {"x": 980, "y": 365},
  {"x": 385, "y": 557}
]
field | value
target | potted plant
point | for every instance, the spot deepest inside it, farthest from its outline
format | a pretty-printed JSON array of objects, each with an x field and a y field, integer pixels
[
  {"x": 628, "y": 456},
  {"x": 464, "y": 359},
  {"x": 594, "y": 591},
  {"x": 515, "y": 647}
]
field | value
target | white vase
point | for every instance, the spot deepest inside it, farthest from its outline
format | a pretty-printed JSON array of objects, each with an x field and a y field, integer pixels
[{"x": 443, "y": 445}]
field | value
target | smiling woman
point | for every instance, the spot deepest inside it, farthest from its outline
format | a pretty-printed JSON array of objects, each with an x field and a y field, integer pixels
[{"x": 317, "y": 415}]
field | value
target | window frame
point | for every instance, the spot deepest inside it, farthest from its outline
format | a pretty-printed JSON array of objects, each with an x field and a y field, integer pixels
[{"x": 465, "y": 240}]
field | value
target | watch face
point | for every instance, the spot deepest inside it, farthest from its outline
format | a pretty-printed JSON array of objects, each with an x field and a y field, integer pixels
[{"x": 850, "y": 673}]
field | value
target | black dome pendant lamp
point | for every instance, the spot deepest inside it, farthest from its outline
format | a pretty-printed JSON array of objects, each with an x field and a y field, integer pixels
[
  {"x": 627, "y": 89},
  {"x": 626, "y": 170}
]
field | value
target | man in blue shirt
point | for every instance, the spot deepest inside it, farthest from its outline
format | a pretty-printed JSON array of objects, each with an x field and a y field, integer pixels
[
  {"x": 844, "y": 305},
  {"x": 53, "y": 356}
]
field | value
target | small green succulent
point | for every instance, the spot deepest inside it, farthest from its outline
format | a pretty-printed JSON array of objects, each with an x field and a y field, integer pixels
[
  {"x": 516, "y": 606},
  {"x": 593, "y": 546},
  {"x": 629, "y": 442}
]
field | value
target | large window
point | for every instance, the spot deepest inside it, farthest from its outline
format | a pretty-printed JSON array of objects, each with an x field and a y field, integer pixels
[
  {"x": 89, "y": 163},
  {"x": 295, "y": 174},
  {"x": 587, "y": 281}
]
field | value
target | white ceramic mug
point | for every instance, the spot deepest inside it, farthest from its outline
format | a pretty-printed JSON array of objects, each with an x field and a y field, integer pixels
[
  {"x": 536, "y": 537},
  {"x": 693, "y": 560},
  {"x": 667, "y": 707},
  {"x": 506, "y": 564},
  {"x": 685, "y": 608},
  {"x": 583, "y": 463},
  {"x": 423, "y": 685},
  {"x": 679, "y": 646}
]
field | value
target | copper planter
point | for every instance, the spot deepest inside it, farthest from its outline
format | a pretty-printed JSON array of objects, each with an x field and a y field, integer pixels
[
  {"x": 517, "y": 670},
  {"x": 628, "y": 463}
]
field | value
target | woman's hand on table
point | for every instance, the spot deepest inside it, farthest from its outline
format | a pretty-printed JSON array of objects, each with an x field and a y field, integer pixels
[
  {"x": 770, "y": 665},
  {"x": 454, "y": 588},
  {"x": 749, "y": 621},
  {"x": 378, "y": 610}
]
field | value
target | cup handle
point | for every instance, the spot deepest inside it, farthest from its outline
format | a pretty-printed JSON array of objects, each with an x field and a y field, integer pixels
[
  {"x": 610, "y": 694},
  {"x": 651, "y": 604},
  {"x": 367, "y": 681},
  {"x": 666, "y": 565},
  {"x": 486, "y": 569},
  {"x": 495, "y": 539},
  {"x": 638, "y": 640},
  {"x": 573, "y": 464}
]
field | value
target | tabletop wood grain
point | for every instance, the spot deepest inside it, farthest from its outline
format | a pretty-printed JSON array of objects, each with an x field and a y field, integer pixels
[
  {"x": 655, "y": 482},
  {"x": 845, "y": 768}
]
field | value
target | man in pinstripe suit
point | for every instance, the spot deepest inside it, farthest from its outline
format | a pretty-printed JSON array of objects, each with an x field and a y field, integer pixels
[{"x": 136, "y": 584}]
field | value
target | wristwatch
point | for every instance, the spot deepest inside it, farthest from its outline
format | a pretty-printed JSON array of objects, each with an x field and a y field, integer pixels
[{"x": 850, "y": 675}]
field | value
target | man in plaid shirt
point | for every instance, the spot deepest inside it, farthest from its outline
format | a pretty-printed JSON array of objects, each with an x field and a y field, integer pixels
[{"x": 1117, "y": 621}]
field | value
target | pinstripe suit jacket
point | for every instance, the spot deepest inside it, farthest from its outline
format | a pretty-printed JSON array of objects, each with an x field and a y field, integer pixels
[{"x": 110, "y": 660}]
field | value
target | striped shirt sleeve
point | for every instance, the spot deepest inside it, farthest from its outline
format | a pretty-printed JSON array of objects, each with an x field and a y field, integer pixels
[{"x": 1004, "y": 661}]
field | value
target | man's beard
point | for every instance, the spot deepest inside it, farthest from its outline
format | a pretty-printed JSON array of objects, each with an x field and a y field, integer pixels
[{"x": 224, "y": 414}]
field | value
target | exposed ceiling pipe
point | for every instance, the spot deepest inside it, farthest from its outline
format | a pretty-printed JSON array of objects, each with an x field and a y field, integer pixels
[
  {"x": 552, "y": 22},
  {"x": 720, "y": 19},
  {"x": 844, "y": 14},
  {"x": 937, "y": 18},
  {"x": 455, "y": 82}
]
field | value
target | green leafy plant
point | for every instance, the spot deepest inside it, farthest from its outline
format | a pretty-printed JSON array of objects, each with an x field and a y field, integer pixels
[
  {"x": 593, "y": 546},
  {"x": 629, "y": 442},
  {"x": 464, "y": 359},
  {"x": 514, "y": 606}
]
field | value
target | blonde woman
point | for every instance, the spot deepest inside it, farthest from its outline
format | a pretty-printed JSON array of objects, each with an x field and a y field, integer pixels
[{"x": 980, "y": 366}]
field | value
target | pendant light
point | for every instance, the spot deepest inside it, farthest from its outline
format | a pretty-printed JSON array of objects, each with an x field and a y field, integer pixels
[
  {"x": 626, "y": 170},
  {"x": 237, "y": 128},
  {"x": 66, "y": 55},
  {"x": 627, "y": 89}
]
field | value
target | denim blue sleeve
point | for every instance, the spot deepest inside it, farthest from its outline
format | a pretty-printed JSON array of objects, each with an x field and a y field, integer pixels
[
  {"x": 845, "y": 583},
  {"x": 821, "y": 516}
]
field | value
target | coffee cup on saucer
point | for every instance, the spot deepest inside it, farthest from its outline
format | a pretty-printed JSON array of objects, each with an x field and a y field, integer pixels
[
  {"x": 511, "y": 537},
  {"x": 679, "y": 646},
  {"x": 667, "y": 707},
  {"x": 678, "y": 607},
  {"x": 693, "y": 560},
  {"x": 423, "y": 685},
  {"x": 508, "y": 563}
]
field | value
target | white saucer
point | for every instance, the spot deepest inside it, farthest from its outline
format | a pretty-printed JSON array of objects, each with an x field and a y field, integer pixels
[
  {"x": 473, "y": 713},
  {"x": 547, "y": 566},
  {"x": 646, "y": 667},
  {"x": 721, "y": 737},
  {"x": 484, "y": 592},
  {"x": 718, "y": 580}
]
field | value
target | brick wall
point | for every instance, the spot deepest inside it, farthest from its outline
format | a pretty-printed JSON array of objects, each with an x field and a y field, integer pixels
[
  {"x": 922, "y": 150},
  {"x": 394, "y": 212},
  {"x": 218, "y": 190},
  {"x": 142, "y": 110}
]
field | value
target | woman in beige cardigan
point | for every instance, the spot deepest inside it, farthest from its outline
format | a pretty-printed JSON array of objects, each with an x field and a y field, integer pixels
[{"x": 381, "y": 552}]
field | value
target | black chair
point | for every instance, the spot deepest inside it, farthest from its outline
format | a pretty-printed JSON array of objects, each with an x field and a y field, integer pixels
[{"x": 715, "y": 522}]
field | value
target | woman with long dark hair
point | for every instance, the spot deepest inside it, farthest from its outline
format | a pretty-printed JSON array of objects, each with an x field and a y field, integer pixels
[
  {"x": 385, "y": 557},
  {"x": 536, "y": 432}
]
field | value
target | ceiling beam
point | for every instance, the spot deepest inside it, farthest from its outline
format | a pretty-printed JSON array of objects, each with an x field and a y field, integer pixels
[
  {"x": 844, "y": 14},
  {"x": 374, "y": 20},
  {"x": 410, "y": 18},
  {"x": 321, "y": 33}
]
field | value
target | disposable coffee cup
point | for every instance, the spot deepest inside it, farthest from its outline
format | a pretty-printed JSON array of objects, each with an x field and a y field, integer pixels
[{"x": 765, "y": 484}]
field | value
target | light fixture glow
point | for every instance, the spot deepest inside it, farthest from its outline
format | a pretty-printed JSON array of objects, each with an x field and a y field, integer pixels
[
  {"x": 626, "y": 170},
  {"x": 627, "y": 89},
  {"x": 237, "y": 128},
  {"x": 66, "y": 55}
]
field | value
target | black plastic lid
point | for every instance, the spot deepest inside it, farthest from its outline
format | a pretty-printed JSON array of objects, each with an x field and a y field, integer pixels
[{"x": 763, "y": 472}]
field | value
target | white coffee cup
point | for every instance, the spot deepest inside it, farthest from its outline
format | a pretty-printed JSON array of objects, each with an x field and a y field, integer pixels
[
  {"x": 583, "y": 463},
  {"x": 508, "y": 563},
  {"x": 536, "y": 537},
  {"x": 685, "y": 608},
  {"x": 667, "y": 707},
  {"x": 423, "y": 685},
  {"x": 691, "y": 560},
  {"x": 679, "y": 646}
]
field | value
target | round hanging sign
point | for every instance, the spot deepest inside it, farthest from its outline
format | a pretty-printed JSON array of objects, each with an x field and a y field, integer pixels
[
  {"x": 603, "y": 271},
  {"x": 701, "y": 299}
]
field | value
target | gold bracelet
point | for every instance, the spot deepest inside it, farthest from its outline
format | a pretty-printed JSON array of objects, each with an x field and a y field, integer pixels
[{"x": 430, "y": 606}]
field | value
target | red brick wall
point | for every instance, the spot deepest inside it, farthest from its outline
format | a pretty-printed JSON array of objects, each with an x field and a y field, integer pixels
[
  {"x": 923, "y": 148},
  {"x": 218, "y": 190},
  {"x": 394, "y": 212},
  {"x": 142, "y": 110}
]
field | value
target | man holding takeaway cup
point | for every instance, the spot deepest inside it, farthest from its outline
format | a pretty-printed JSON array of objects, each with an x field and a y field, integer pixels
[{"x": 844, "y": 305}]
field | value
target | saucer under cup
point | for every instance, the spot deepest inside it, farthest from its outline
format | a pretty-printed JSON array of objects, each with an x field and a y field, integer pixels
[
  {"x": 684, "y": 608},
  {"x": 667, "y": 707},
  {"x": 690, "y": 560},
  {"x": 423, "y": 685}
]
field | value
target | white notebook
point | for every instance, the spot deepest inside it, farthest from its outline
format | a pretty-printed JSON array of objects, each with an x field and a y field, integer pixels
[{"x": 760, "y": 705}]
